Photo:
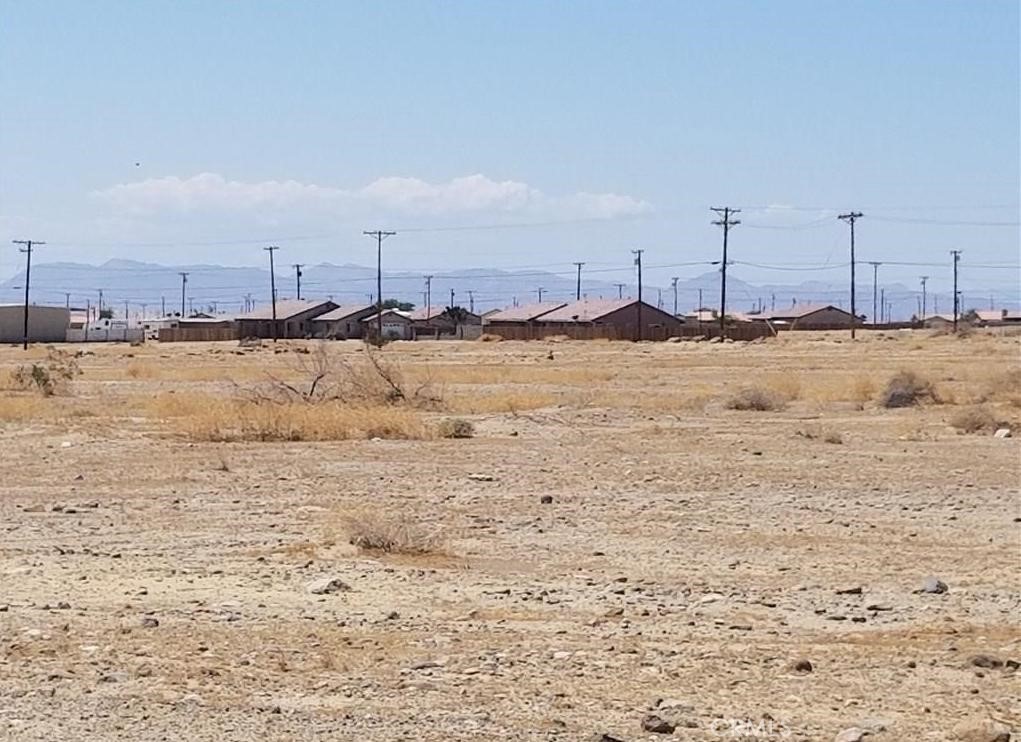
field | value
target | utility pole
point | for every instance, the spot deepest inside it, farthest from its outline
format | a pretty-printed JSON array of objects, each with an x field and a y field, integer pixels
[
  {"x": 471, "y": 301},
  {"x": 875, "y": 285},
  {"x": 452, "y": 297},
  {"x": 27, "y": 249},
  {"x": 620, "y": 290},
  {"x": 882, "y": 303},
  {"x": 297, "y": 277},
  {"x": 99, "y": 311},
  {"x": 957, "y": 259},
  {"x": 273, "y": 286},
  {"x": 850, "y": 217},
  {"x": 673, "y": 285},
  {"x": 380, "y": 235},
  {"x": 428, "y": 297},
  {"x": 659, "y": 298},
  {"x": 726, "y": 222},
  {"x": 577, "y": 292},
  {"x": 125, "y": 311},
  {"x": 163, "y": 306},
  {"x": 184, "y": 282},
  {"x": 540, "y": 290},
  {"x": 638, "y": 262},
  {"x": 67, "y": 301},
  {"x": 923, "y": 280}
]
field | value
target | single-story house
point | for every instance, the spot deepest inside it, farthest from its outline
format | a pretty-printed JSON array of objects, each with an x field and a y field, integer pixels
[
  {"x": 437, "y": 321},
  {"x": 615, "y": 319},
  {"x": 342, "y": 323},
  {"x": 293, "y": 319},
  {"x": 939, "y": 321},
  {"x": 397, "y": 325},
  {"x": 811, "y": 317},
  {"x": 997, "y": 317},
  {"x": 526, "y": 313}
]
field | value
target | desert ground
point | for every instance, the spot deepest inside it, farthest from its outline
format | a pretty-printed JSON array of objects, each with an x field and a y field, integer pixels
[{"x": 193, "y": 546}]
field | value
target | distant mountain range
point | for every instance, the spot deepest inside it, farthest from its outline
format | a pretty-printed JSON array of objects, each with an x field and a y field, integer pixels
[{"x": 221, "y": 289}]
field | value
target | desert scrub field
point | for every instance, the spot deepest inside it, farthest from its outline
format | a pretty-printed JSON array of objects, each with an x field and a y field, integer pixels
[{"x": 504, "y": 540}]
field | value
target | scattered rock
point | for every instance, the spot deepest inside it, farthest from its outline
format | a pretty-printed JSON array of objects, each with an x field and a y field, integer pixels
[
  {"x": 427, "y": 665},
  {"x": 853, "y": 734},
  {"x": 656, "y": 725},
  {"x": 546, "y": 499},
  {"x": 482, "y": 477},
  {"x": 984, "y": 660},
  {"x": 327, "y": 585},
  {"x": 1002, "y": 433},
  {"x": 801, "y": 666},
  {"x": 979, "y": 729},
  {"x": 933, "y": 586},
  {"x": 605, "y": 738},
  {"x": 150, "y": 622},
  {"x": 850, "y": 591}
]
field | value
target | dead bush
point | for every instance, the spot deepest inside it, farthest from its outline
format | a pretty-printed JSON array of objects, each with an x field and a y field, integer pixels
[
  {"x": 490, "y": 338},
  {"x": 47, "y": 377},
  {"x": 456, "y": 427},
  {"x": 368, "y": 380},
  {"x": 757, "y": 399},
  {"x": 906, "y": 389},
  {"x": 390, "y": 535},
  {"x": 973, "y": 420}
]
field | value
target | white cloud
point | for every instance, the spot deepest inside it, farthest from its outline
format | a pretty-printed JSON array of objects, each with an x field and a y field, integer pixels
[{"x": 397, "y": 196}]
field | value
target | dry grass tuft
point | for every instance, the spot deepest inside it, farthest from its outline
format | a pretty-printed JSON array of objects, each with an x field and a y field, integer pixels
[
  {"x": 757, "y": 399},
  {"x": 1003, "y": 387},
  {"x": 906, "y": 389},
  {"x": 973, "y": 420},
  {"x": 24, "y": 408},
  {"x": 456, "y": 427},
  {"x": 206, "y": 418},
  {"x": 380, "y": 533},
  {"x": 490, "y": 338}
]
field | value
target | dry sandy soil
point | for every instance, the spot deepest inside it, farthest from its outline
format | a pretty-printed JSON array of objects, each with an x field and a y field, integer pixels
[{"x": 157, "y": 585}]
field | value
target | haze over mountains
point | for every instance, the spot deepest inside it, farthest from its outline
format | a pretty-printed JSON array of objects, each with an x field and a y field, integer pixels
[{"x": 226, "y": 289}]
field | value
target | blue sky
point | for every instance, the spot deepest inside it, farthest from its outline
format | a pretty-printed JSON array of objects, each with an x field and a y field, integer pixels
[{"x": 612, "y": 125}]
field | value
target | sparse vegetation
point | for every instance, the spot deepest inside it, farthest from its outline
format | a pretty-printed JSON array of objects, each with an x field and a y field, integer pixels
[
  {"x": 906, "y": 389},
  {"x": 47, "y": 377},
  {"x": 456, "y": 427},
  {"x": 391, "y": 535},
  {"x": 246, "y": 420},
  {"x": 758, "y": 399},
  {"x": 973, "y": 419}
]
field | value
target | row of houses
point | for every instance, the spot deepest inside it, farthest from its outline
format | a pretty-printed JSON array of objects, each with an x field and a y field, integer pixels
[{"x": 615, "y": 319}]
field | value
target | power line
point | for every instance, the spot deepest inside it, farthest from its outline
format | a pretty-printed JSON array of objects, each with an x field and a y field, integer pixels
[
  {"x": 272, "y": 287},
  {"x": 27, "y": 249},
  {"x": 726, "y": 222},
  {"x": 850, "y": 217},
  {"x": 381, "y": 235}
]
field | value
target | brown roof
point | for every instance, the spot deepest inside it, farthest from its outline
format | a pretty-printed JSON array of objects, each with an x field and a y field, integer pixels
[
  {"x": 524, "y": 313},
  {"x": 387, "y": 313},
  {"x": 341, "y": 313},
  {"x": 287, "y": 309},
  {"x": 424, "y": 314},
  {"x": 802, "y": 310},
  {"x": 588, "y": 310}
]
